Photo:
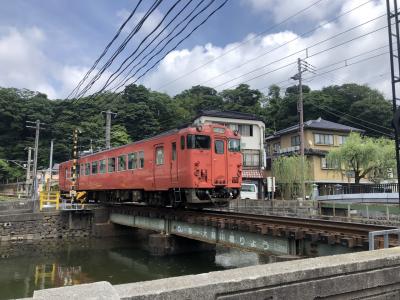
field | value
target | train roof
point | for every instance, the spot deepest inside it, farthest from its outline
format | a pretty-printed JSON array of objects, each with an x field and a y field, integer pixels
[{"x": 162, "y": 134}]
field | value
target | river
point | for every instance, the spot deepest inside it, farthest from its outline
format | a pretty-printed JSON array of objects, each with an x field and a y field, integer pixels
[{"x": 25, "y": 267}]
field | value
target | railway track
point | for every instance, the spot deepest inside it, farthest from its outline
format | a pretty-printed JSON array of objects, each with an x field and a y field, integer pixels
[{"x": 331, "y": 232}]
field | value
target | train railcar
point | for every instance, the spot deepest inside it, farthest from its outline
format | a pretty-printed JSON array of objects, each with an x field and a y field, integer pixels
[{"x": 190, "y": 167}]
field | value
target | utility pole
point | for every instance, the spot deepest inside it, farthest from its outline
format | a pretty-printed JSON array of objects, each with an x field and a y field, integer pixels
[
  {"x": 28, "y": 171},
  {"x": 37, "y": 128},
  {"x": 394, "y": 38},
  {"x": 109, "y": 114},
  {"x": 74, "y": 174},
  {"x": 51, "y": 161},
  {"x": 302, "y": 66}
]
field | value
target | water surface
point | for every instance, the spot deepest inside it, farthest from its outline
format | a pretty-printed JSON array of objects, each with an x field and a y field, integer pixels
[{"x": 25, "y": 267}]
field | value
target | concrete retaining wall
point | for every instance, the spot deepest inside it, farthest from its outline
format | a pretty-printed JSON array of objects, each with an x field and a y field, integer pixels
[{"x": 364, "y": 275}]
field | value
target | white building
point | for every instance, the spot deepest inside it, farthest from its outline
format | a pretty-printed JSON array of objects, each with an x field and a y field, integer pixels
[{"x": 252, "y": 131}]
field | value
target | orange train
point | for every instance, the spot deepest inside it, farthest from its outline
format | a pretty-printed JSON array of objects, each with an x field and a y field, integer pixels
[{"x": 197, "y": 166}]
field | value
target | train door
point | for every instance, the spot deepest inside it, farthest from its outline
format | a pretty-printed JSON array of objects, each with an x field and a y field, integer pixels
[
  {"x": 219, "y": 161},
  {"x": 159, "y": 166},
  {"x": 174, "y": 163}
]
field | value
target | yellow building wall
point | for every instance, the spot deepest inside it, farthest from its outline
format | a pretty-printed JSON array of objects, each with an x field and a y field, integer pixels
[{"x": 318, "y": 174}]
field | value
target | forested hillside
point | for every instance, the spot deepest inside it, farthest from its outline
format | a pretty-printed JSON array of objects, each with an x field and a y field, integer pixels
[{"x": 142, "y": 113}]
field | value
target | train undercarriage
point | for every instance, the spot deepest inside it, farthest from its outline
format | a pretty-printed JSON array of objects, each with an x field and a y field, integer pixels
[{"x": 178, "y": 197}]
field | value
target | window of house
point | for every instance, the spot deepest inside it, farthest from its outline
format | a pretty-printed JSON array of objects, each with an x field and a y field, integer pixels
[
  {"x": 111, "y": 164},
  {"x": 328, "y": 164},
  {"x": 323, "y": 139},
  {"x": 173, "y": 152},
  {"x": 132, "y": 161},
  {"x": 234, "y": 145},
  {"x": 233, "y": 127},
  {"x": 122, "y": 163},
  {"x": 219, "y": 147},
  {"x": 198, "y": 141},
  {"x": 342, "y": 139},
  {"x": 160, "y": 155},
  {"x": 246, "y": 130},
  {"x": 251, "y": 158},
  {"x": 295, "y": 140},
  {"x": 87, "y": 169},
  {"x": 276, "y": 147},
  {"x": 94, "y": 167},
  {"x": 141, "y": 160},
  {"x": 102, "y": 166}
]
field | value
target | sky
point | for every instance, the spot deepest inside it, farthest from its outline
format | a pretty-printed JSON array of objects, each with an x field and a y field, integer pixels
[{"x": 48, "y": 45}]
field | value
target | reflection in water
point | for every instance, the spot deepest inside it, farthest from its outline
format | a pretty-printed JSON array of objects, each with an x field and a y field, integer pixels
[
  {"x": 50, "y": 275},
  {"x": 31, "y": 266},
  {"x": 26, "y": 267}
]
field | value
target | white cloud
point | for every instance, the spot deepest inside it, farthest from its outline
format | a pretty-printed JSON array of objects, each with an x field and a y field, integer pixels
[
  {"x": 180, "y": 62},
  {"x": 25, "y": 64},
  {"x": 281, "y": 9}
]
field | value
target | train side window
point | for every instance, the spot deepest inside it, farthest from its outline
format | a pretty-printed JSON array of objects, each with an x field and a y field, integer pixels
[
  {"x": 82, "y": 170},
  {"x": 111, "y": 164},
  {"x": 160, "y": 155},
  {"x": 141, "y": 159},
  {"x": 78, "y": 170},
  {"x": 102, "y": 166},
  {"x": 122, "y": 163},
  {"x": 87, "y": 169},
  {"x": 219, "y": 146},
  {"x": 132, "y": 161},
  {"x": 72, "y": 172},
  {"x": 94, "y": 167},
  {"x": 182, "y": 142},
  {"x": 173, "y": 155},
  {"x": 66, "y": 172}
]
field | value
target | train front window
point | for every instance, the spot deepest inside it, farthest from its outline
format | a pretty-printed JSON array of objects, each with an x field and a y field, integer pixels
[
  {"x": 234, "y": 145},
  {"x": 198, "y": 141}
]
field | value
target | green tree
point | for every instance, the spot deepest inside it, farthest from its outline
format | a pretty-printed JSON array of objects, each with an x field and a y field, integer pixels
[
  {"x": 365, "y": 157},
  {"x": 288, "y": 174}
]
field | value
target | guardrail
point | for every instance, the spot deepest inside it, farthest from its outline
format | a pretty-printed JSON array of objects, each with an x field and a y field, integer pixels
[
  {"x": 385, "y": 234},
  {"x": 49, "y": 199},
  {"x": 338, "y": 189}
]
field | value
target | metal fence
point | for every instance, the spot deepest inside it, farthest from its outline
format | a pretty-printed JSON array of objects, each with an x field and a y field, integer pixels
[
  {"x": 337, "y": 189},
  {"x": 372, "y": 213}
]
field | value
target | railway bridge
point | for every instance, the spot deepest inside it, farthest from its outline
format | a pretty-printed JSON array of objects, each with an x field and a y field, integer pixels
[{"x": 264, "y": 234}]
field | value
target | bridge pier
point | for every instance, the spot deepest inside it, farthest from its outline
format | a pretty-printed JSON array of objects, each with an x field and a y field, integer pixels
[{"x": 164, "y": 244}]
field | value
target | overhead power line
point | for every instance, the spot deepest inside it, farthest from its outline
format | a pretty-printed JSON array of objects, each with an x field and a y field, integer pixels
[
  {"x": 173, "y": 48},
  {"x": 158, "y": 44},
  {"x": 133, "y": 32},
  {"x": 149, "y": 35},
  {"x": 286, "y": 43},
  {"x": 106, "y": 48},
  {"x": 242, "y": 43},
  {"x": 306, "y": 49}
]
